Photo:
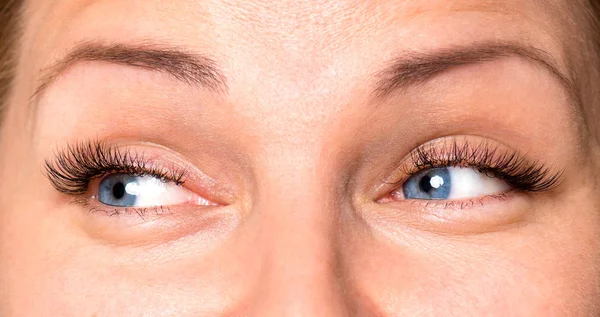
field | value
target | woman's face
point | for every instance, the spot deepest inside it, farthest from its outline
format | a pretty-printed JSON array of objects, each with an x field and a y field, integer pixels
[{"x": 300, "y": 158}]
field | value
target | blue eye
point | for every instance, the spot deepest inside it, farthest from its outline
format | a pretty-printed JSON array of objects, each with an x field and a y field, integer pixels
[
  {"x": 126, "y": 190},
  {"x": 118, "y": 190},
  {"x": 452, "y": 183},
  {"x": 434, "y": 183}
]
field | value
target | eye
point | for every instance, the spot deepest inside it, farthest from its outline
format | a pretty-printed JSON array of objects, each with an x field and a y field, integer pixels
[
  {"x": 124, "y": 190},
  {"x": 451, "y": 183}
]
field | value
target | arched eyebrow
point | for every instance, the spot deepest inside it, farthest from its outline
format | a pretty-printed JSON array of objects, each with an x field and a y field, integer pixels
[
  {"x": 414, "y": 68},
  {"x": 189, "y": 68}
]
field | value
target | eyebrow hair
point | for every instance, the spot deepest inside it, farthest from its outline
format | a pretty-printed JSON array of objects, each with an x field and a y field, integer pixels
[
  {"x": 416, "y": 68},
  {"x": 189, "y": 68}
]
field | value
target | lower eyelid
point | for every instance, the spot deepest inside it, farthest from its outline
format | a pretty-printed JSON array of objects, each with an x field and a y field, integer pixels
[
  {"x": 462, "y": 204},
  {"x": 139, "y": 215},
  {"x": 94, "y": 207},
  {"x": 469, "y": 203},
  {"x": 464, "y": 217},
  {"x": 156, "y": 225}
]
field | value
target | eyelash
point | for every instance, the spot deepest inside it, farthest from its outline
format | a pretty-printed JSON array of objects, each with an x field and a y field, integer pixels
[
  {"x": 511, "y": 167},
  {"x": 74, "y": 168}
]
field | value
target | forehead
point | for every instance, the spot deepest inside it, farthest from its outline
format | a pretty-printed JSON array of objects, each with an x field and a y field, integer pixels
[
  {"x": 311, "y": 57},
  {"x": 295, "y": 28},
  {"x": 298, "y": 42}
]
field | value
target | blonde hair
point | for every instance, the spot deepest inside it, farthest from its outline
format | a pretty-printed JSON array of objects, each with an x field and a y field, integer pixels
[
  {"x": 9, "y": 13},
  {"x": 594, "y": 6}
]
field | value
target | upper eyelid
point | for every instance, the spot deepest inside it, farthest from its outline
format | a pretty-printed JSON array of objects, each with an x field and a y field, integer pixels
[
  {"x": 72, "y": 168},
  {"x": 483, "y": 155},
  {"x": 149, "y": 158}
]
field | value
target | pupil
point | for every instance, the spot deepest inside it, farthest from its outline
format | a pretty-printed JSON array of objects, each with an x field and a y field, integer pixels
[
  {"x": 119, "y": 190},
  {"x": 425, "y": 184}
]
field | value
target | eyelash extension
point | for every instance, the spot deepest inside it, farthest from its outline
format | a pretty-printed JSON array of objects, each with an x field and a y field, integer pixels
[
  {"x": 74, "y": 167},
  {"x": 516, "y": 170}
]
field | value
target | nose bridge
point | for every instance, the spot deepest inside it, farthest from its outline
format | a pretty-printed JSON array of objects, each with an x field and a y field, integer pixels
[{"x": 297, "y": 232}]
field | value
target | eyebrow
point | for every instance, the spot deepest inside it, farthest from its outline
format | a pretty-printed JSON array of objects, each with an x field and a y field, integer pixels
[
  {"x": 416, "y": 68},
  {"x": 189, "y": 68}
]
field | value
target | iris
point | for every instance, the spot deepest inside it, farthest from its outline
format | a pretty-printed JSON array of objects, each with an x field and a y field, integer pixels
[
  {"x": 434, "y": 183},
  {"x": 119, "y": 190}
]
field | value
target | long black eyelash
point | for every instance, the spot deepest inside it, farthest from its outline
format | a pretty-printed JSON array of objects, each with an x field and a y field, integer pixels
[
  {"x": 514, "y": 169},
  {"x": 72, "y": 169}
]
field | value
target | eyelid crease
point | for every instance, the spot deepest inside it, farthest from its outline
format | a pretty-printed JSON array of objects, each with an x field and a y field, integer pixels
[
  {"x": 417, "y": 67},
  {"x": 185, "y": 65}
]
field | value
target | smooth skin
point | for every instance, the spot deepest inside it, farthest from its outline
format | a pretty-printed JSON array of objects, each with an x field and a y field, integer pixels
[{"x": 294, "y": 150}]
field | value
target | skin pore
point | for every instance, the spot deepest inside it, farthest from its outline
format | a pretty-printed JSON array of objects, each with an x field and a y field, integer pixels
[{"x": 287, "y": 134}]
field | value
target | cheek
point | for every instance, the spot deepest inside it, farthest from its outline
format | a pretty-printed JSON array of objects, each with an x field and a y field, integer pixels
[
  {"x": 548, "y": 269},
  {"x": 99, "y": 280}
]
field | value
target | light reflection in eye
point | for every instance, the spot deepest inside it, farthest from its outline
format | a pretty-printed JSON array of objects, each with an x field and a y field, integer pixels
[
  {"x": 451, "y": 183},
  {"x": 124, "y": 190}
]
